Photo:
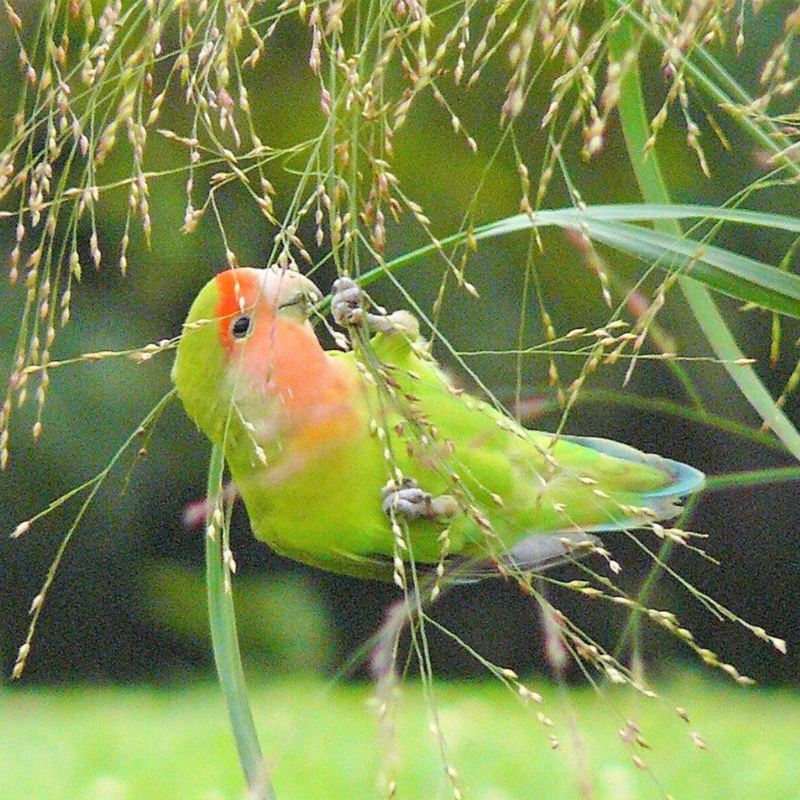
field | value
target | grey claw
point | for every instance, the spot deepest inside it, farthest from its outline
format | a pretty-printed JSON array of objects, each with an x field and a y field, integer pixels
[
  {"x": 407, "y": 500},
  {"x": 346, "y": 302},
  {"x": 411, "y": 502},
  {"x": 348, "y": 308}
]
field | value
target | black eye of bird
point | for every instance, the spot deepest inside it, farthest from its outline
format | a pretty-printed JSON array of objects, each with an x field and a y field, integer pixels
[{"x": 241, "y": 325}]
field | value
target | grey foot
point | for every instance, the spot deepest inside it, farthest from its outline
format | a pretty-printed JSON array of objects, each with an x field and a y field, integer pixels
[
  {"x": 348, "y": 306},
  {"x": 409, "y": 501}
]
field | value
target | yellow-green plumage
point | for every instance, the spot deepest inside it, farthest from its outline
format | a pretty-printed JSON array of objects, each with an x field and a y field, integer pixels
[{"x": 311, "y": 439}]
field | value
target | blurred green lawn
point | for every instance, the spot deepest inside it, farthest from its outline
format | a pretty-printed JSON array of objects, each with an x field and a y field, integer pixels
[{"x": 322, "y": 741}]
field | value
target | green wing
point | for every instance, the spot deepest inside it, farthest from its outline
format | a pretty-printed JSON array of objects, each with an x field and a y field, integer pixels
[{"x": 513, "y": 483}]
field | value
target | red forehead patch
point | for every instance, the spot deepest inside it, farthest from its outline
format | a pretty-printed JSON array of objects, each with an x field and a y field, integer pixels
[{"x": 238, "y": 290}]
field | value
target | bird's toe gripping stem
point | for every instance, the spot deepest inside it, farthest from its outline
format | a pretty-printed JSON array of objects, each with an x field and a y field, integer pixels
[
  {"x": 349, "y": 308},
  {"x": 409, "y": 501}
]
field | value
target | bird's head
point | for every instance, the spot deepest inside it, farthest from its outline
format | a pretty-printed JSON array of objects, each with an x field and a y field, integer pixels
[{"x": 242, "y": 326}]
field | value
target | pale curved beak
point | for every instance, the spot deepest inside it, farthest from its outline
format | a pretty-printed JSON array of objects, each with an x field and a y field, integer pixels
[{"x": 285, "y": 287}]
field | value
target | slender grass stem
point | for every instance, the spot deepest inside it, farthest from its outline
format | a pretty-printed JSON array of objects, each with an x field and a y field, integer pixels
[{"x": 222, "y": 620}]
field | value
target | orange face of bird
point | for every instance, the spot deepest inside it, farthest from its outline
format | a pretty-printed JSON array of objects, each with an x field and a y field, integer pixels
[
  {"x": 250, "y": 301},
  {"x": 263, "y": 330},
  {"x": 283, "y": 382}
]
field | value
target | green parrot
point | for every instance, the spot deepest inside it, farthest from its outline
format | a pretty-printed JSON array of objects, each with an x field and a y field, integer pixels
[{"x": 357, "y": 461}]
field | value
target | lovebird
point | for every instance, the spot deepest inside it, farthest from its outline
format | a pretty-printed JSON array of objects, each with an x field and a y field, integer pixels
[{"x": 359, "y": 461}]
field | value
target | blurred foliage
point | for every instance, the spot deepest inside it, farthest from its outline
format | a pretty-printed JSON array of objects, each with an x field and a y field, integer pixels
[
  {"x": 120, "y": 608},
  {"x": 282, "y": 621}
]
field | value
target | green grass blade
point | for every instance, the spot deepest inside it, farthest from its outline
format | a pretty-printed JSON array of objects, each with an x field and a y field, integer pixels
[
  {"x": 738, "y": 276},
  {"x": 654, "y": 190},
  {"x": 709, "y": 75},
  {"x": 726, "y": 271},
  {"x": 732, "y": 274},
  {"x": 648, "y": 212},
  {"x": 222, "y": 620},
  {"x": 638, "y": 212}
]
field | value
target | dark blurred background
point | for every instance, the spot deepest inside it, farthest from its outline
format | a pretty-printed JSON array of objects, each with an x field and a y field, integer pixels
[{"x": 128, "y": 600}]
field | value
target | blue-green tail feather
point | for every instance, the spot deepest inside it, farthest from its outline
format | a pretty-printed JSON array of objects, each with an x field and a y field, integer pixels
[
  {"x": 684, "y": 479},
  {"x": 540, "y": 552}
]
